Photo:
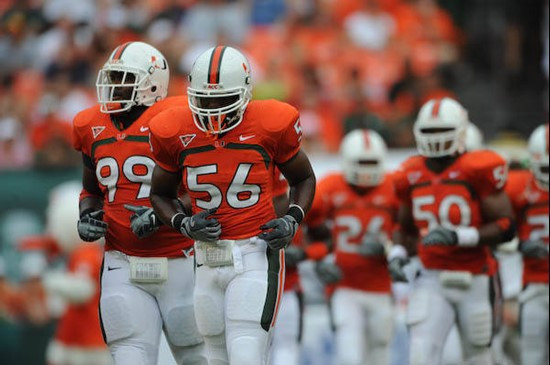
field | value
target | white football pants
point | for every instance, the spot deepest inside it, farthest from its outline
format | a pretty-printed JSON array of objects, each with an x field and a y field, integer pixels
[
  {"x": 364, "y": 325},
  {"x": 534, "y": 324},
  {"x": 236, "y": 305},
  {"x": 133, "y": 315},
  {"x": 434, "y": 308},
  {"x": 286, "y": 338}
]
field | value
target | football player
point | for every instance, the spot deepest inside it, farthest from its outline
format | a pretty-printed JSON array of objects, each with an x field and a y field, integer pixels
[
  {"x": 453, "y": 203},
  {"x": 362, "y": 207},
  {"x": 528, "y": 191},
  {"x": 147, "y": 276},
  {"x": 224, "y": 147},
  {"x": 288, "y": 333}
]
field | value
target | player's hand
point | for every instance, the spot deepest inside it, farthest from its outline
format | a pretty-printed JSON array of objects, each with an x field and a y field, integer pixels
[
  {"x": 441, "y": 236},
  {"x": 395, "y": 267},
  {"x": 534, "y": 249},
  {"x": 91, "y": 226},
  {"x": 279, "y": 232},
  {"x": 144, "y": 221},
  {"x": 198, "y": 227},
  {"x": 328, "y": 272},
  {"x": 371, "y": 247},
  {"x": 294, "y": 255}
]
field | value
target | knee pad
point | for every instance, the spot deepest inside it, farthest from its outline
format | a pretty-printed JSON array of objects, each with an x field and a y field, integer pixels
[
  {"x": 134, "y": 355},
  {"x": 478, "y": 325},
  {"x": 247, "y": 350},
  {"x": 116, "y": 318},
  {"x": 246, "y": 300},
  {"x": 422, "y": 352},
  {"x": 418, "y": 308},
  {"x": 190, "y": 355},
  {"x": 209, "y": 315},
  {"x": 180, "y": 327}
]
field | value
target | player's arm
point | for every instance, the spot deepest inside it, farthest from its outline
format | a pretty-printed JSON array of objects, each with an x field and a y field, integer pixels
[
  {"x": 91, "y": 226},
  {"x": 164, "y": 194},
  {"x": 278, "y": 233}
]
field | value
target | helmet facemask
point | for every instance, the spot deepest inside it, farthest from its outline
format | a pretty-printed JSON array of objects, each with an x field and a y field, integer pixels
[
  {"x": 364, "y": 173},
  {"x": 439, "y": 142},
  {"x": 119, "y": 88},
  {"x": 540, "y": 168},
  {"x": 217, "y": 112}
]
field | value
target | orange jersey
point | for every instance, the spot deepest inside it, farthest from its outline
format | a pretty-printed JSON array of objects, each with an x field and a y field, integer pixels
[
  {"x": 355, "y": 216},
  {"x": 530, "y": 204},
  {"x": 233, "y": 172},
  {"x": 452, "y": 198},
  {"x": 124, "y": 165},
  {"x": 79, "y": 326}
]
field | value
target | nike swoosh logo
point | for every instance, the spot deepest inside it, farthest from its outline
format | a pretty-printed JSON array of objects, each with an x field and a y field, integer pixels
[
  {"x": 245, "y": 138},
  {"x": 143, "y": 129},
  {"x": 200, "y": 265},
  {"x": 113, "y": 268}
]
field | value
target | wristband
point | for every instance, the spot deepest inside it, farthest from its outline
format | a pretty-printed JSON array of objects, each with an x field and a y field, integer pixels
[
  {"x": 176, "y": 220},
  {"x": 296, "y": 212},
  {"x": 467, "y": 236},
  {"x": 87, "y": 211}
]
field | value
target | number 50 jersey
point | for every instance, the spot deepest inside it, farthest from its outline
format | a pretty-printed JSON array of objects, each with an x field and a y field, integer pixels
[
  {"x": 123, "y": 163},
  {"x": 452, "y": 198},
  {"x": 232, "y": 173}
]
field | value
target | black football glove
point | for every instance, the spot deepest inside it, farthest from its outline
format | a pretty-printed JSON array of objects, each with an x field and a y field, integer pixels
[
  {"x": 371, "y": 247},
  {"x": 441, "y": 236},
  {"x": 91, "y": 226},
  {"x": 395, "y": 267},
  {"x": 534, "y": 249},
  {"x": 281, "y": 232},
  {"x": 198, "y": 227},
  {"x": 328, "y": 272},
  {"x": 144, "y": 221},
  {"x": 294, "y": 255}
]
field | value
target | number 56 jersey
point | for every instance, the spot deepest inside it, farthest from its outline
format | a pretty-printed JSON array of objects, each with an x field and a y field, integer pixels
[
  {"x": 232, "y": 173},
  {"x": 452, "y": 198},
  {"x": 123, "y": 163}
]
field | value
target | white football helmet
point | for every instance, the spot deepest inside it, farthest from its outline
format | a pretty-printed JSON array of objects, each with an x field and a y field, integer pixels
[
  {"x": 220, "y": 88},
  {"x": 440, "y": 128},
  {"x": 363, "y": 153},
  {"x": 135, "y": 74},
  {"x": 538, "y": 153},
  {"x": 62, "y": 215},
  {"x": 474, "y": 138}
]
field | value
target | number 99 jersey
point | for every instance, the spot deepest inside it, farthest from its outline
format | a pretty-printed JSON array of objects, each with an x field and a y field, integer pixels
[
  {"x": 230, "y": 172},
  {"x": 123, "y": 163},
  {"x": 452, "y": 199}
]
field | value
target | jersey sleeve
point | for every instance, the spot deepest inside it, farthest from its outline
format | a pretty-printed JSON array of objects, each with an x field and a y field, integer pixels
[
  {"x": 401, "y": 185},
  {"x": 290, "y": 136},
  {"x": 79, "y": 134},
  {"x": 164, "y": 140},
  {"x": 489, "y": 172}
]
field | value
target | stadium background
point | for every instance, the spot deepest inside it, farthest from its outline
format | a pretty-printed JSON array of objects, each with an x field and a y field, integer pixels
[{"x": 343, "y": 63}]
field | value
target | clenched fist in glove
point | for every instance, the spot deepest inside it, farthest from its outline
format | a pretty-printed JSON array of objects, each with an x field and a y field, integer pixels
[
  {"x": 534, "y": 249},
  {"x": 371, "y": 246},
  {"x": 279, "y": 232},
  {"x": 461, "y": 236},
  {"x": 198, "y": 227},
  {"x": 328, "y": 272},
  {"x": 144, "y": 221},
  {"x": 91, "y": 226}
]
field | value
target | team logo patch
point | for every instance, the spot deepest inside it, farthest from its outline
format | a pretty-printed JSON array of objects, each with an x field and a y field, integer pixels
[
  {"x": 187, "y": 139},
  {"x": 96, "y": 131}
]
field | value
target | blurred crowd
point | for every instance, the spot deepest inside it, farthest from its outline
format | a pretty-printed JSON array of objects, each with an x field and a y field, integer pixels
[{"x": 343, "y": 63}]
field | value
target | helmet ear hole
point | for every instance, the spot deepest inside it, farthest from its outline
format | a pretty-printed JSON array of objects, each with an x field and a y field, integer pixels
[{"x": 154, "y": 89}]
